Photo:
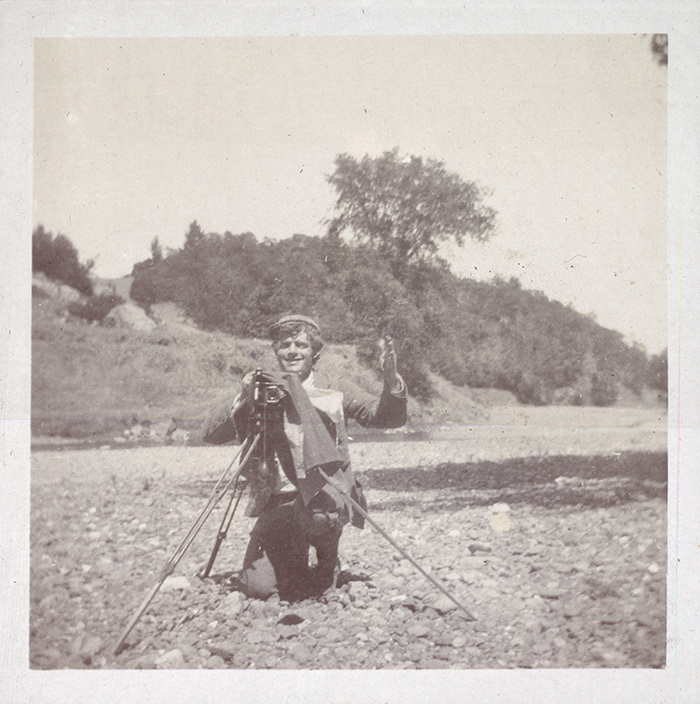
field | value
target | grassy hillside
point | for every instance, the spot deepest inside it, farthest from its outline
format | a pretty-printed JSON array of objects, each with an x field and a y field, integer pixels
[{"x": 89, "y": 380}]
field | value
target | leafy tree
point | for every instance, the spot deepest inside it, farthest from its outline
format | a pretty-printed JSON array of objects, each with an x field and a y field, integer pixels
[
  {"x": 405, "y": 208},
  {"x": 194, "y": 235},
  {"x": 57, "y": 257}
]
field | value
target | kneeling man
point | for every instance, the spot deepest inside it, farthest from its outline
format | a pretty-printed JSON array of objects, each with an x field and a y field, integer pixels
[{"x": 295, "y": 506}]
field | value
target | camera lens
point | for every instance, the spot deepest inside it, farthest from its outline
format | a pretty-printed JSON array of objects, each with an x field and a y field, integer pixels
[{"x": 273, "y": 394}]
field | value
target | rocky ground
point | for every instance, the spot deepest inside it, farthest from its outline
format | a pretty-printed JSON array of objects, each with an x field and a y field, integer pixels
[{"x": 561, "y": 559}]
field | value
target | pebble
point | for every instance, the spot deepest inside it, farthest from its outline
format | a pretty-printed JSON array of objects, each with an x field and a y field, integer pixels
[
  {"x": 646, "y": 620},
  {"x": 256, "y": 637},
  {"x": 172, "y": 584},
  {"x": 288, "y": 664},
  {"x": 561, "y": 567},
  {"x": 443, "y": 640},
  {"x": 568, "y": 537},
  {"x": 414, "y": 652},
  {"x": 574, "y": 608},
  {"x": 418, "y": 630},
  {"x": 404, "y": 569},
  {"x": 232, "y": 604},
  {"x": 357, "y": 588},
  {"x": 551, "y": 593},
  {"x": 287, "y": 632},
  {"x": 377, "y": 621},
  {"x": 333, "y": 635},
  {"x": 390, "y": 582},
  {"x": 610, "y": 617},
  {"x": 172, "y": 660},
  {"x": 443, "y": 604},
  {"x": 479, "y": 547},
  {"x": 226, "y": 650},
  {"x": 378, "y": 635},
  {"x": 299, "y": 652},
  {"x": 215, "y": 662},
  {"x": 89, "y": 648}
]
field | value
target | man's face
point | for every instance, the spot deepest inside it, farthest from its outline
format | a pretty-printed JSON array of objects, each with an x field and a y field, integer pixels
[{"x": 294, "y": 355}]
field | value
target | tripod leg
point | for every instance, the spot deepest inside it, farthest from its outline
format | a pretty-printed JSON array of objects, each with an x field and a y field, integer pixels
[
  {"x": 364, "y": 513},
  {"x": 170, "y": 565},
  {"x": 223, "y": 529}
]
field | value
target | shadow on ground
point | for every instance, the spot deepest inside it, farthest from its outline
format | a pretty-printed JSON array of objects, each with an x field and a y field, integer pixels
[{"x": 585, "y": 482}]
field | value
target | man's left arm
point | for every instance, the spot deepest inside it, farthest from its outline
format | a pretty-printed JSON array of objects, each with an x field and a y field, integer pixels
[{"x": 390, "y": 411}]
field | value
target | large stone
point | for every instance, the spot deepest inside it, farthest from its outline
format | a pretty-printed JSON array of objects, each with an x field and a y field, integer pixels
[{"x": 500, "y": 522}]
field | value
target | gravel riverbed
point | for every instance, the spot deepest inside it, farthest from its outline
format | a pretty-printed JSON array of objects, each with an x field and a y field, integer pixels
[{"x": 556, "y": 545}]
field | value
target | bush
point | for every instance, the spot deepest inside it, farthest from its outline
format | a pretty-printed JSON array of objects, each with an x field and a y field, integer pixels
[
  {"x": 58, "y": 259},
  {"x": 95, "y": 308}
]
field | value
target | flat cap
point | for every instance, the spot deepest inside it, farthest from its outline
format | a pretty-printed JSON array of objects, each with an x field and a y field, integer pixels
[{"x": 293, "y": 320}]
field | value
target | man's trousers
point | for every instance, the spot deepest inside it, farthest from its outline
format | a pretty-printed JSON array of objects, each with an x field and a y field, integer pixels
[{"x": 277, "y": 557}]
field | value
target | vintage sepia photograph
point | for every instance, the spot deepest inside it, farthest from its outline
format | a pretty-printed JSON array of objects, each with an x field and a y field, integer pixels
[{"x": 349, "y": 353}]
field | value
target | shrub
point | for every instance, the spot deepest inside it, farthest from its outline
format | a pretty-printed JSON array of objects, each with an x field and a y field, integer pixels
[
  {"x": 96, "y": 307},
  {"x": 58, "y": 259}
]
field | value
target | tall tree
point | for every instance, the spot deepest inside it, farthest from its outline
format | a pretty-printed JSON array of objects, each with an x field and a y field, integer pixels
[{"x": 406, "y": 207}]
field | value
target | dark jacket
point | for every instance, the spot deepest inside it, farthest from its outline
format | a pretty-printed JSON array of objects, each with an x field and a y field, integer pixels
[{"x": 311, "y": 433}]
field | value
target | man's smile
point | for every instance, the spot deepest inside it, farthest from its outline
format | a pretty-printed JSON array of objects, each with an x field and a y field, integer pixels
[{"x": 294, "y": 354}]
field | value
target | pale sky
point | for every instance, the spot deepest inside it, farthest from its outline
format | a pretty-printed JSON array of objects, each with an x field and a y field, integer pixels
[{"x": 135, "y": 138}]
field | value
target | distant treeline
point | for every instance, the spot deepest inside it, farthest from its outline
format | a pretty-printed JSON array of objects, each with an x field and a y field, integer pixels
[{"x": 480, "y": 334}]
